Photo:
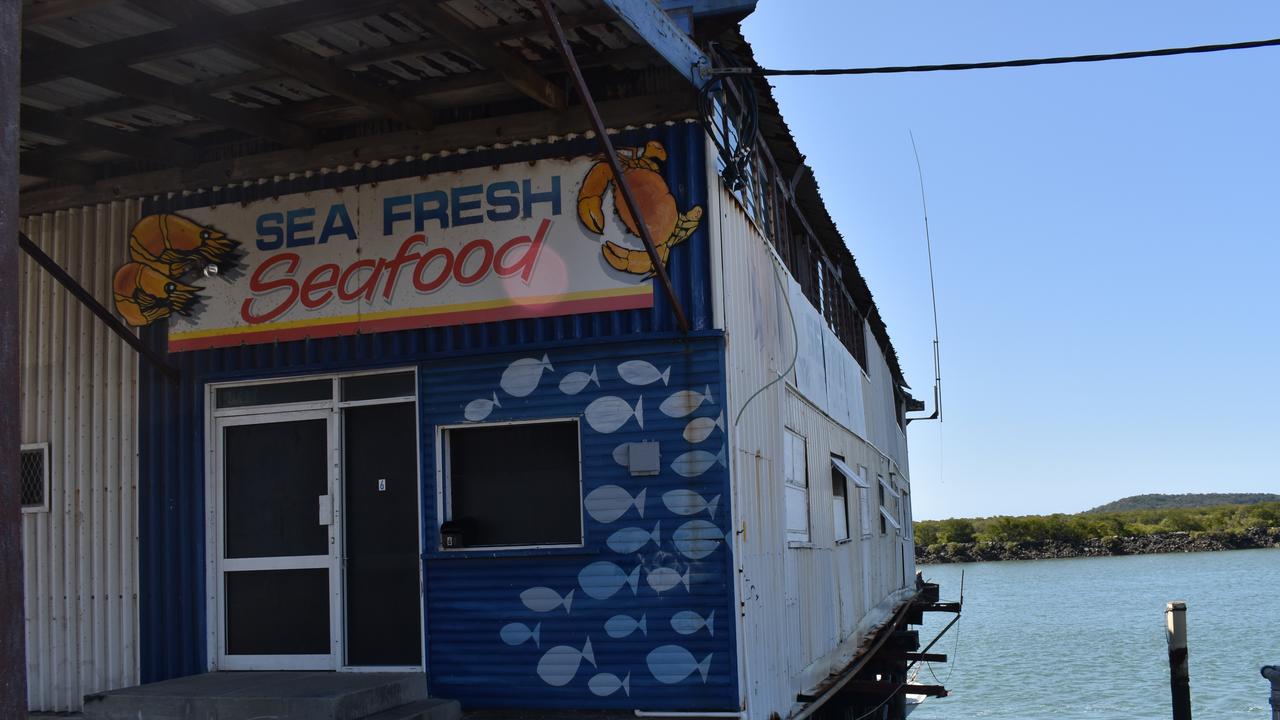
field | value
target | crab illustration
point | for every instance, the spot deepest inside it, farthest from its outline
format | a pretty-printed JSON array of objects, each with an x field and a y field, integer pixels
[
  {"x": 144, "y": 294},
  {"x": 666, "y": 224},
  {"x": 174, "y": 245}
]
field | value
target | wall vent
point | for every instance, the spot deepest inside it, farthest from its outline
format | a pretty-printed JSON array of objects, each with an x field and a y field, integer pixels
[{"x": 34, "y": 476}]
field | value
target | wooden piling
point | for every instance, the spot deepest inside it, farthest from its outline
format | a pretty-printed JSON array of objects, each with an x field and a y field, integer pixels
[{"x": 1175, "y": 617}]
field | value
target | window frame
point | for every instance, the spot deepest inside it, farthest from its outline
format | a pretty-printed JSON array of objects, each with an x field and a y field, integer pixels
[
  {"x": 444, "y": 500},
  {"x": 795, "y": 538},
  {"x": 846, "y": 474},
  {"x": 864, "y": 503},
  {"x": 43, "y": 448}
]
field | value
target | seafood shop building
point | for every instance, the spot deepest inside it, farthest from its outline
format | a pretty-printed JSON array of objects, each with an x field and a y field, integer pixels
[{"x": 408, "y": 384}]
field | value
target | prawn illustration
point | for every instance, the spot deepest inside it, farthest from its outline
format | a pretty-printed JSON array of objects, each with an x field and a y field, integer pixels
[
  {"x": 666, "y": 224},
  {"x": 144, "y": 294},
  {"x": 174, "y": 245}
]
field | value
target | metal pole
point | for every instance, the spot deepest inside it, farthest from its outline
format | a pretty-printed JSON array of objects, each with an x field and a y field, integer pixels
[
  {"x": 13, "y": 655},
  {"x": 1272, "y": 673},
  {"x": 88, "y": 300},
  {"x": 1175, "y": 618},
  {"x": 611, "y": 156}
]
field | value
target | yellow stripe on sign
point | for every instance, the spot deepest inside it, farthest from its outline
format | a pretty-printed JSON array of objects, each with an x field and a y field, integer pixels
[{"x": 413, "y": 312}]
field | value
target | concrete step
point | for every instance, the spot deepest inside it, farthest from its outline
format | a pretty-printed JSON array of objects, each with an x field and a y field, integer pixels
[
  {"x": 277, "y": 695},
  {"x": 422, "y": 710}
]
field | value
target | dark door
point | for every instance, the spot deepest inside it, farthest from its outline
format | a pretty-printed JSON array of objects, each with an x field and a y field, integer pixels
[
  {"x": 275, "y": 544},
  {"x": 383, "y": 598}
]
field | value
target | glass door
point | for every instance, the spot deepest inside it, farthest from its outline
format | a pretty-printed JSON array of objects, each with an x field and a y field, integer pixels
[{"x": 275, "y": 528}]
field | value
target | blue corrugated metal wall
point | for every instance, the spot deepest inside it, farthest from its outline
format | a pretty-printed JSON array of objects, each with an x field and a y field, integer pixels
[
  {"x": 471, "y": 597},
  {"x": 172, "y": 602}
]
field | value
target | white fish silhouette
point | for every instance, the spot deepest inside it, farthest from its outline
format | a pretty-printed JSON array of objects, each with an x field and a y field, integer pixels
[
  {"x": 688, "y": 502},
  {"x": 560, "y": 664},
  {"x": 700, "y": 429},
  {"x": 607, "y": 414},
  {"x": 521, "y": 377},
  {"x": 477, "y": 410},
  {"x": 640, "y": 372},
  {"x": 664, "y": 578},
  {"x": 671, "y": 664},
  {"x": 620, "y": 626},
  {"x": 610, "y": 502},
  {"x": 576, "y": 382},
  {"x": 685, "y": 402},
  {"x": 606, "y": 684},
  {"x": 544, "y": 599},
  {"x": 688, "y": 622},
  {"x": 695, "y": 462},
  {"x": 629, "y": 540},
  {"x": 602, "y": 580},
  {"x": 622, "y": 454},
  {"x": 519, "y": 633},
  {"x": 697, "y": 539}
]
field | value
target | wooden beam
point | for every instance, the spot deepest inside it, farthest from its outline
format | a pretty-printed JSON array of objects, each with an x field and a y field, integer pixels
[
  {"x": 912, "y": 656},
  {"x": 450, "y": 136},
  {"x": 494, "y": 35},
  {"x": 49, "y": 10},
  {"x": 54, "y": 165},
  {"x": 472, "y": 43},
  {"x": 248, "y": 40},
  {"x": 881, "y": 689},
  {"x": 134, "y": 144},
  {"x": 54, "y": 63},
  {"x": 153, "y": 90},
  {"x": 648, "y": 20}
]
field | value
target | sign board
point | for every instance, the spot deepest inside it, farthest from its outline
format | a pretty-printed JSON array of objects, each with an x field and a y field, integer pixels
[{"x": 514, "y": 241}]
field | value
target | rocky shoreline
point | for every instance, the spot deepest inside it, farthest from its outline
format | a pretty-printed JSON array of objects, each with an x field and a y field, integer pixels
[{"x": 1172, "y": 542}]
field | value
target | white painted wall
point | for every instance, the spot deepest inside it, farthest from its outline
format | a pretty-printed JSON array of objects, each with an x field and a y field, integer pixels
[
  {"x": 79, "y": 395},
  {"x": 804, "y": 609}
]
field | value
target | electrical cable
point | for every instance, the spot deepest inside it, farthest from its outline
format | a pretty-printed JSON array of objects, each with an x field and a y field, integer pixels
[
  {"x": 1025, "y": 62},
  {"x": 795, "y": 341},
  {"x": 735, "y": 137}
]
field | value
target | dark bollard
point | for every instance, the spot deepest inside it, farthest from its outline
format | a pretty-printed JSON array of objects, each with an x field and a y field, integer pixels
[
  {"x": 1272, "y": 673},
  {"x": 1175, "y": 617}
]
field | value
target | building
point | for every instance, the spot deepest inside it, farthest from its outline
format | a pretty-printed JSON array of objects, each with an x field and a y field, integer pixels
[{"x": 410, "y": 393}]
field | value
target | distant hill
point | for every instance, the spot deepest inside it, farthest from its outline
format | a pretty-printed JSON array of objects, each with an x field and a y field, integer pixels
[{"x": 1159, "y": 501}]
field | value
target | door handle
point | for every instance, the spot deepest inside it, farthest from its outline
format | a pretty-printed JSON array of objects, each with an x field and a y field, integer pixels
[{"x": 326, "y": 509}]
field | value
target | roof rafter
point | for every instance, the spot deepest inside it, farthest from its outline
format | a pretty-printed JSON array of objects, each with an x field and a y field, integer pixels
[
  {"x": 472, "y": 43},
  {"x": 290, "y": 17},
  {"x": 263, "y": 48},
  {"x": 153, "y": 90},
  {"x": 58, "y": 125}
]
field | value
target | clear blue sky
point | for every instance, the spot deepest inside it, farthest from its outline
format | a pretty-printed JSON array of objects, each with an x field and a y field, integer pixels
[{"x": 1105, "y": 236}]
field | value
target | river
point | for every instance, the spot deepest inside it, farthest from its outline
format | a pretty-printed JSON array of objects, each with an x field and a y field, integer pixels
[{"x": 1084, "y": 637}]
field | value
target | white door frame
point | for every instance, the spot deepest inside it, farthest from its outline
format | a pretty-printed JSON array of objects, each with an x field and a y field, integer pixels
[
  {"x": 330, "y": 410},
  {"x": 224, "y": 565}
]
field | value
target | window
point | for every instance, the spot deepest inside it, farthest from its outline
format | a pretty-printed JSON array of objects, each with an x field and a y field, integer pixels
[
  {"x": 514, "y": 484},
  {"x": 888, "y": 512},
  {"x": 33, "y": 477},
  {"x": 864, "y": 501},
  {"x": 841, "y": 475},
  {"x": 796, "y": 466}
]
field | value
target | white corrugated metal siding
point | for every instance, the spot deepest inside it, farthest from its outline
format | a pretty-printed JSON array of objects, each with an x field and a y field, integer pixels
[
  {"x": 804, "y": 607},
  {"x": 79, "y": 395}
]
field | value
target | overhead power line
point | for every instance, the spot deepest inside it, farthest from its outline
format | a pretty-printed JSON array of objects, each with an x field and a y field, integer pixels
[{"x": 1026, "y": 62}]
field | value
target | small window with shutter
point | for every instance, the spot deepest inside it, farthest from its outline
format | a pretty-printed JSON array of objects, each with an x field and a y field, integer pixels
[{"x": 33, "y": 477}]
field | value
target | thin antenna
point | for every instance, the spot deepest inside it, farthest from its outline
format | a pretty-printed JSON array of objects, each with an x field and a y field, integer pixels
[{"x": 933, "y": 294}]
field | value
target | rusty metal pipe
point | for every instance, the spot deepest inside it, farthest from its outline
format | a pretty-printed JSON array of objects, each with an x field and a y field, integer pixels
[
  {"x": 88, "y": 300},
  {"x": 611, "y": 156},
  {"x": 13, "y": 654}
]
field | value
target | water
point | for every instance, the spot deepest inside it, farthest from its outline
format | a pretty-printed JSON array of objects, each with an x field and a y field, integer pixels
[{"x": 1084, "y": 638}]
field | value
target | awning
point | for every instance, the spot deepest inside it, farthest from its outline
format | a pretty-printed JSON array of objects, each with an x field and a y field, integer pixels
[
  {"x": 848, "y": 472},
  {"x": 889, "y": 488},
  {"x": 892, "y": 521}
]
